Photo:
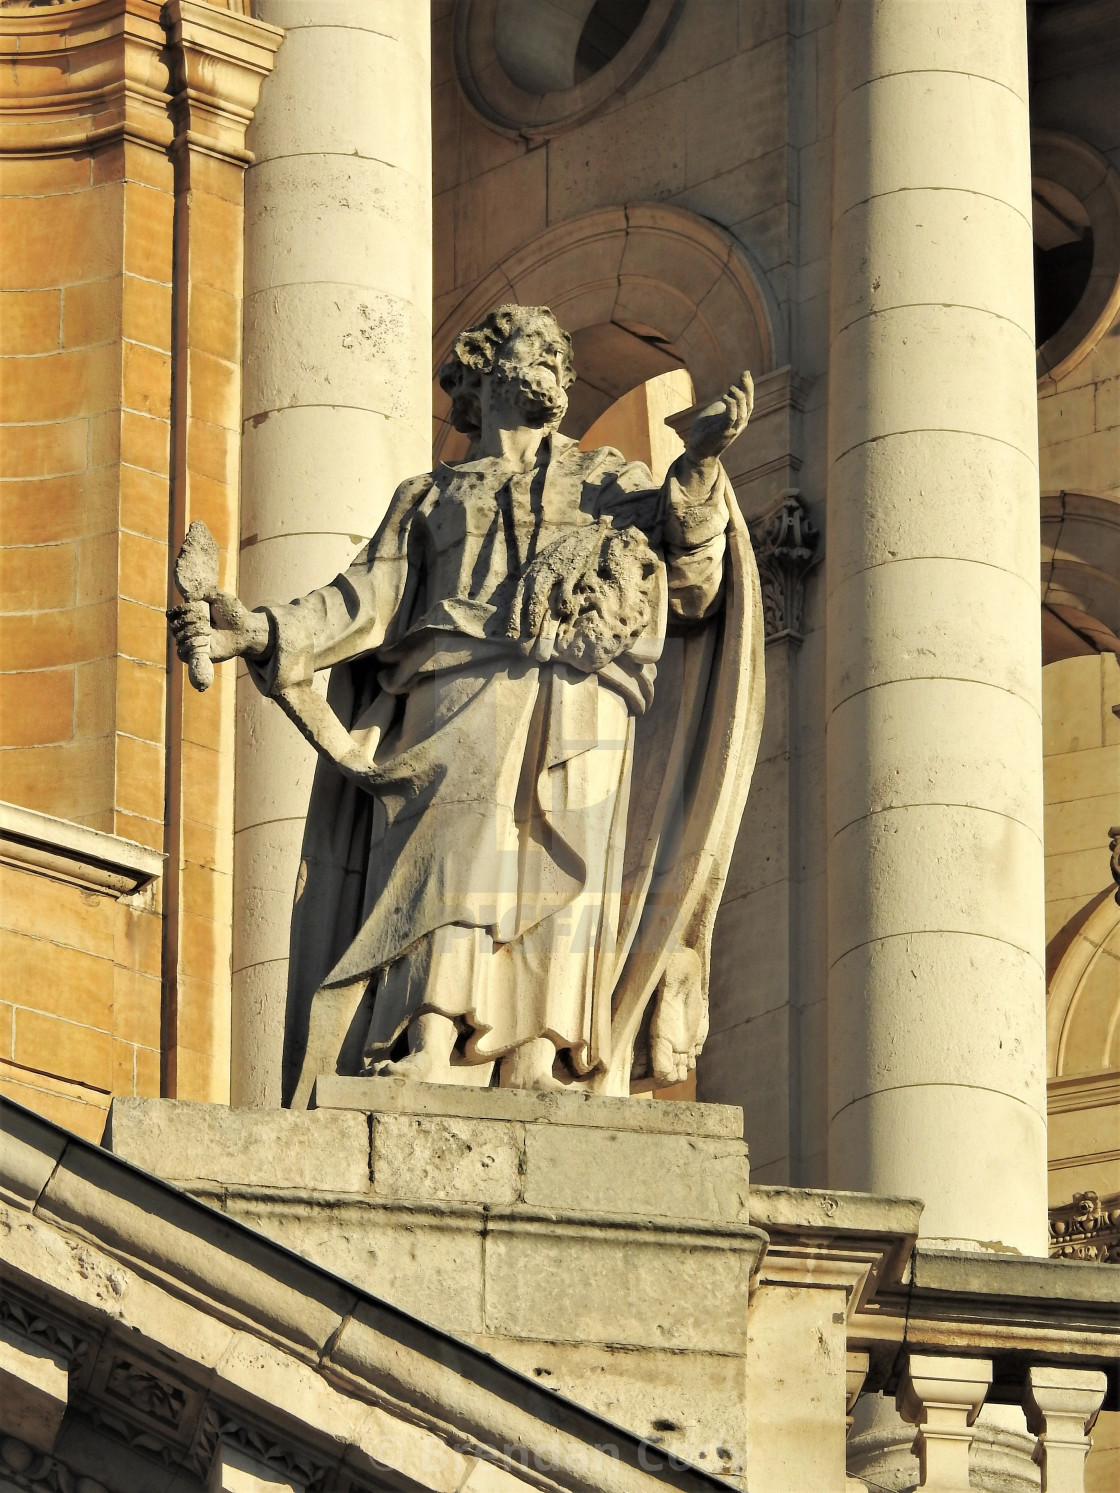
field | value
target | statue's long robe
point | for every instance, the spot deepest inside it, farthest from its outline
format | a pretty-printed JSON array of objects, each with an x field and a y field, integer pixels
[{"x": 474, "y": 861}]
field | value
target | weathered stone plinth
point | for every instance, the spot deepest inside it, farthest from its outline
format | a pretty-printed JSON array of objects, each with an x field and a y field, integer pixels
[{"x": 600, "y": 1246}]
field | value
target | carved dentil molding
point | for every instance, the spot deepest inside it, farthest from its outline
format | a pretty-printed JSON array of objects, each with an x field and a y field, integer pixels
[{"x": 785, "y": 546}]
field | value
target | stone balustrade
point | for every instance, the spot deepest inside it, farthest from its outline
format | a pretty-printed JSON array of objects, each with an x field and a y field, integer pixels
[{"x": 942, "y": 1397}]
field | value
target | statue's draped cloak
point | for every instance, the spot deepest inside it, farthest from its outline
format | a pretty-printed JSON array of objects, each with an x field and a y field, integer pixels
[{"x": 442, "y": 808}]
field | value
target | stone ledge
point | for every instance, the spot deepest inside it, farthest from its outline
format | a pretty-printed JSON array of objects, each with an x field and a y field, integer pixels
[
  {"x": 652, "y": 1116},
  {"x": 473, "y": 1218},
  {"x": 1012, "y": 1277},
  {"x": 774, "y": 1207},
  {"x": 88, "y": 858}
]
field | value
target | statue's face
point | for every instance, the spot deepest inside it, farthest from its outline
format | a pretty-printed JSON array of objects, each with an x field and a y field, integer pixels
[
  {"x": 535, "y": 349},
  {"x": 529, "y": 372}
]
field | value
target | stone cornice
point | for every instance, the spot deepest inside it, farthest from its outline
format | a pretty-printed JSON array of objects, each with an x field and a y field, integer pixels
[
  {"x": 95, "y": 73},
  {"x": 189, "y": 73},
  {"x": 1082, "y": 1091},
  {"x": 1011, "y": 1308},
  {"x": 220, "y": 58}
]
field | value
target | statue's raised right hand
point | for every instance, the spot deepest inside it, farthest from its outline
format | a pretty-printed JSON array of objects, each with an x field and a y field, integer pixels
[{"x": 231, "y": 628}]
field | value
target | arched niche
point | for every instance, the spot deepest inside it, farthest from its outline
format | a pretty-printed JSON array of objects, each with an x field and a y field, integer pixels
[
  {"x": 1080, "y": 574},
  {"x": 1081, "y": 615},
  {"x": 1083, "y": 1003},
  {"x": 642, "y": 289}
]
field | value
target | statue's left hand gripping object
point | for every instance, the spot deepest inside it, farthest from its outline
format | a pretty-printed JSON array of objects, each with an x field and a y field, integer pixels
[{"x": 196, "y": 579}]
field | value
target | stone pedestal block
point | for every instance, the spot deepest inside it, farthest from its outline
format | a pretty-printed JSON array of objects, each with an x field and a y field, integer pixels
[{"x": 600, "y": 1246}]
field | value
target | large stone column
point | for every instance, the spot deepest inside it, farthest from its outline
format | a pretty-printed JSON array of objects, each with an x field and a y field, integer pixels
[
  {"x": 337, "y": 402},
  {"x": 935, "y": 870}
]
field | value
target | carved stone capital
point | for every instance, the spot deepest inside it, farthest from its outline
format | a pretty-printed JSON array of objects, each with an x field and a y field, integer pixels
[
  {"x": 785, "y": 546},
  {"x": 1086, "y": 1228},
  {"x": 220, "y": 58}
]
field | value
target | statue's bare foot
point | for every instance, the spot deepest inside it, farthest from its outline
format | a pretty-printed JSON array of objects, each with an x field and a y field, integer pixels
[
  {"x": 431, "y": 1038},
  {"x": 422, "y": 1066},
  {"x": 530, "y": 1067}
]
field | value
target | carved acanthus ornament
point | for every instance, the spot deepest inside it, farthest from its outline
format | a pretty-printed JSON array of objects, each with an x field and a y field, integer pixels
[
  {"x": 785, "y": 546},
  {"x": 1087, "y": 1228},
  {"x": 21, "y": 1317},
  {"x": 220, "y": 1425},
  {"x": 164, "y": 1402},
  {"x": 120, "y": 1427}
]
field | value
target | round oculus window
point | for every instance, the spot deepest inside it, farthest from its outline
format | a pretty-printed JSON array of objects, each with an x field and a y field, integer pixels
[
  {"x": 536, "y": 67},
  {"x": 1076, "y": 211}
]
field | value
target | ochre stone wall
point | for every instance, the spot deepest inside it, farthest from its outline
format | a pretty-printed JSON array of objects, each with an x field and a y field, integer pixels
[
  {"x": 85, "y": 395},
  {"x": 121, "y": 165},
  {"x": 80, "y": 1014}
]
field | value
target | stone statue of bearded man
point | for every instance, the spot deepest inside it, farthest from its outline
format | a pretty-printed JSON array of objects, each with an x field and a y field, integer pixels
[{"x": 543, "y": 710}]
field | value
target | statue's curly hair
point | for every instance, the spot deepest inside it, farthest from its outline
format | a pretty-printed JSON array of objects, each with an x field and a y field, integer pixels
[{"x": 476, "y": 350}]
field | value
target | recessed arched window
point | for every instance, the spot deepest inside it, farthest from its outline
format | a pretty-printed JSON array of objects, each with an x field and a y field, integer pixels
[{"x": 643, "y": 290}]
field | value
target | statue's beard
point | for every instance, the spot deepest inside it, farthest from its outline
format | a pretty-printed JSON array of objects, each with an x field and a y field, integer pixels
[{"x": 533, "y": 390}]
